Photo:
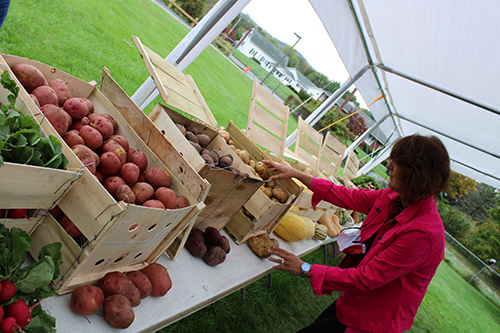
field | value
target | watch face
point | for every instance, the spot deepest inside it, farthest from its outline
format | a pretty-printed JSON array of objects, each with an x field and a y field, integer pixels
[{"x": 304, "y": 269}]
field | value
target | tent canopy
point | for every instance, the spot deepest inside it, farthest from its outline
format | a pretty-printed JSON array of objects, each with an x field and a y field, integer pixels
[{"x": 436, "y": 63}]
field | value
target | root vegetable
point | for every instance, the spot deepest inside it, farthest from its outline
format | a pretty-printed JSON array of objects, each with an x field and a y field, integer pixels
[
  {"x": 158, "y": 177},
  {"x": 70, "y": 228},
  {"x": 139, "y": 158},
  {"x": 73, "y": 138},
  {"x": 159, "y": 277},
  {"x": 116, "y": 148},
  {"x": 17, "y": 213},
  {"x": 62, "y": 90},
  {"x": 203, "y": 140},
  {"x": 109, "y": 164},
  {"x": 181, "y": 202},
  {"x": 57, "y": 117},
  {"x": 143, "y": 192},
  {"x": 167, "y": 196},
  {"x": 121, "y": 140},
  {"x": 7, "y": 291},
  {"x": 86, "y": 155},
  {"x": 86, "y": 300},
  {"x": 91, "y": 137},
  {"x": 103, "y": 125},
  {"x": 130, "y": 173},
  {"x": 45, "y": 95},
  {"x": 117, "y": 283},
  {"x": 215, "y": 255},
  {"x": 29, "y": 76},
  {"x": 195, "y": 243},
  {"x": 118, "y": 311},
  {"x": 125, "y": 193},
  {"x": 112, "y": 183},
  {"x": 78, "y": 124},
  {"x": 76, "y": 107},
  {"x": 152, "y": 203},
  {"x": 212, "y": 236},
  {"x": 141, "y": 282}
]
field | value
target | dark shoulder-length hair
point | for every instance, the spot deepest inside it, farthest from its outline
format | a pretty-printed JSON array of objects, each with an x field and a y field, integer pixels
[{"x": 424, "y": 166}]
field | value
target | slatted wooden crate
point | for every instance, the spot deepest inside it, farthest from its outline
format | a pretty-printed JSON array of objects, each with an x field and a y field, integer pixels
[
  {"x": 118, "y": 236},
  {"x": 260, "y": 214},
  {"x": 30, "y": 187},
  {"x": 228, "y": 191}
]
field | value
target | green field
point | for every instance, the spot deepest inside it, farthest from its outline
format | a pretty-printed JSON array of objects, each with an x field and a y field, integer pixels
[{"x": 82, "y": 37}]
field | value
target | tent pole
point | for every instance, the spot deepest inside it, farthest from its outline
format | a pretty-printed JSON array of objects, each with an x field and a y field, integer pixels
[
  {"x": 328, "y": 104},
  {"x": 376, "y": 161}
]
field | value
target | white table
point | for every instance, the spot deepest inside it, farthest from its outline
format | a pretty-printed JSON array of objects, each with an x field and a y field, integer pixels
[{"x": 194, "y": 286}]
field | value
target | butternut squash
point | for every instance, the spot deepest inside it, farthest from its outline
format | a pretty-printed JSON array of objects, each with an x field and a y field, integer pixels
[{"x": 294, "y": 228}]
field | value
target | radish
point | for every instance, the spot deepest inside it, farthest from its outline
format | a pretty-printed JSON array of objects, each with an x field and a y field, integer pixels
[
  {"x": 1, "y": 313},
  {"x": 1, "y": 212},
  {"x": 9, "y": 324},
  {"x": 16, "y": 213},
  {"x": 7, "y": 291},
  {"x": 20, "y": 311}
]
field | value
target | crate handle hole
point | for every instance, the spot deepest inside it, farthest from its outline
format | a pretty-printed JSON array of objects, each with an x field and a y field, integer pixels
[
  {"x": 138, "y": 255},
  {"x": 119, "y": 259},
  {"x": 168, "y": 225},
  {"x": 98, "y": 262},
  {"x": 133, "y": 227},
  {"x": 152, "y": 227}
]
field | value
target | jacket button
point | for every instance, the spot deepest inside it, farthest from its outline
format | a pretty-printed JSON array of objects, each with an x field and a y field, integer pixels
[{"x": 378, "y": 209}]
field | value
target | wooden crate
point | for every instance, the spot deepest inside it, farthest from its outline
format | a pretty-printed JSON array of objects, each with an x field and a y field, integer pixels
[
  {"x": 229, "y": 191},
  {"x": 119, "y": 236},
  {"x": 176, "y": 88},
  {"x": 260, "y": 214}
]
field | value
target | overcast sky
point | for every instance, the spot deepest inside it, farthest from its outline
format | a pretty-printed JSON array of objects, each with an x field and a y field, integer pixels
[{"x": 283, "y": 18}]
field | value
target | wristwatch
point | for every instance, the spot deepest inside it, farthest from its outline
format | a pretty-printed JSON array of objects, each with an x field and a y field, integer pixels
[{"x": 305, "y": 269}]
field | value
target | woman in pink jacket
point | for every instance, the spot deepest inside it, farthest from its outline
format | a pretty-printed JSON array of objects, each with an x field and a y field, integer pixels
[{"x": 399, "y": 245}]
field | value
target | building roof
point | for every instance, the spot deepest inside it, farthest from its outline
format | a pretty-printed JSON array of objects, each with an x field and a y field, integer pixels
[
  {"x": 299, "y": 77},
  {"x": 258, "y": 39}
]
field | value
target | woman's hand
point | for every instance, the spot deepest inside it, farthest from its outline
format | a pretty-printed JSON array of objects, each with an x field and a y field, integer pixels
[
  {"x": 287, "y": 261},
  {"x": 286, "y": 172}
]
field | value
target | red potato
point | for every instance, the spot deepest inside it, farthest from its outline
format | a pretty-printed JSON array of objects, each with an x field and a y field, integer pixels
[
  {"x": 73, "y": 138},
  {"x": 142, "y": 178},
  {"x": 112, "y": 183},
  {"x": 98, "y": 175},
  {"x": 56, "y": 212},
  {"x": 33, "y": 97},
  {"x": 125, "y": 193},
  {"x": 116, "y": 148},
  {"x": 78, "y": 124},
  {"x": 152, "y": 203},
  {"x": 118, "y": 312},
  {"x": 96, "y": 158},
  {"x": 86, "y": 155},
  {"x": 76, "y": 107},
  {"x": 102, "y": 124},
  {"x": 86, "y": 300},
  {"x": 29, "y": 76},
  {"x": 57, "y": 117},
  {"x": 112, "y": 121},
  {"x": 159, "y": 277},
  {"x": 167, "y": 196},
  {"x": 141, "y": 281},
  {"x": 118, "y": 283},
  {"x": 130, "y": 173},
  {"x": 158, "y": 177},
  {"x": 62, "y": 90},
  {"x": 68, "y": 118},
  {"x": 90, "y": 105},
  {"x": 45, "y": 95},
  {"x": 110, "y": 164},
  {"x": 91, "y": 137},
  {"x": 140, "y": 159},
  {"x": 70, "y": 228},
  {"x": 143, "y": 192},
  {"x": 181, "y": 202},
  {"x": 121, "y": 140}
]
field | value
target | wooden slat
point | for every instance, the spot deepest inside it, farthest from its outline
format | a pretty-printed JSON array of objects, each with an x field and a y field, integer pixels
[
  {"x": 262, "y": 104},
  {"x": 351, "y": 166},
  {"x": 308, "y": 144},
  {"x": 176, "y": 88},
  {"x": 331, "y": 155}
]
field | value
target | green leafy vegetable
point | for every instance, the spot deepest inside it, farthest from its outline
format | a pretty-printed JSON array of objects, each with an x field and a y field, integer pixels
[{"x": 20, "y": 138}]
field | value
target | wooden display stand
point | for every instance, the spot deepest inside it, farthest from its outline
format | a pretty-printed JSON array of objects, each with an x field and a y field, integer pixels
[
  {"x": 332, "y": 152},
  {"x": 118, "y": 236},
  {"x": 229, "y": 191}
]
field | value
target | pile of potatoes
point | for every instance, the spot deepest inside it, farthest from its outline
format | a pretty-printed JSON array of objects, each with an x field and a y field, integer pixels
[
  {"x": 271, "y": 188},
  {"x": 200, "y": 142},
  {"x": 93, "y": 137},
  {"x": 118, "y": 293},
  {"x": 209, "y": 245}
]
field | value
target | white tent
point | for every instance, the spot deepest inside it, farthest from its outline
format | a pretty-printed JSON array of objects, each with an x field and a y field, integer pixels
[{"x": 436, "y": 63}]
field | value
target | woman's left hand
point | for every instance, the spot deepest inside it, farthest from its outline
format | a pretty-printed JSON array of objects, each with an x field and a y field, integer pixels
[{"x": 287, "y": 261}]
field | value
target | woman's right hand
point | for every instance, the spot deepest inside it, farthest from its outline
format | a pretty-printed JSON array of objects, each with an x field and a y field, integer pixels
[{"x": 286, "y": 172}]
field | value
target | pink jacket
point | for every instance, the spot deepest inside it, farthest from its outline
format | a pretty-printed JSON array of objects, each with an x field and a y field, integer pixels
[{"x": 384, "y": 290}]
